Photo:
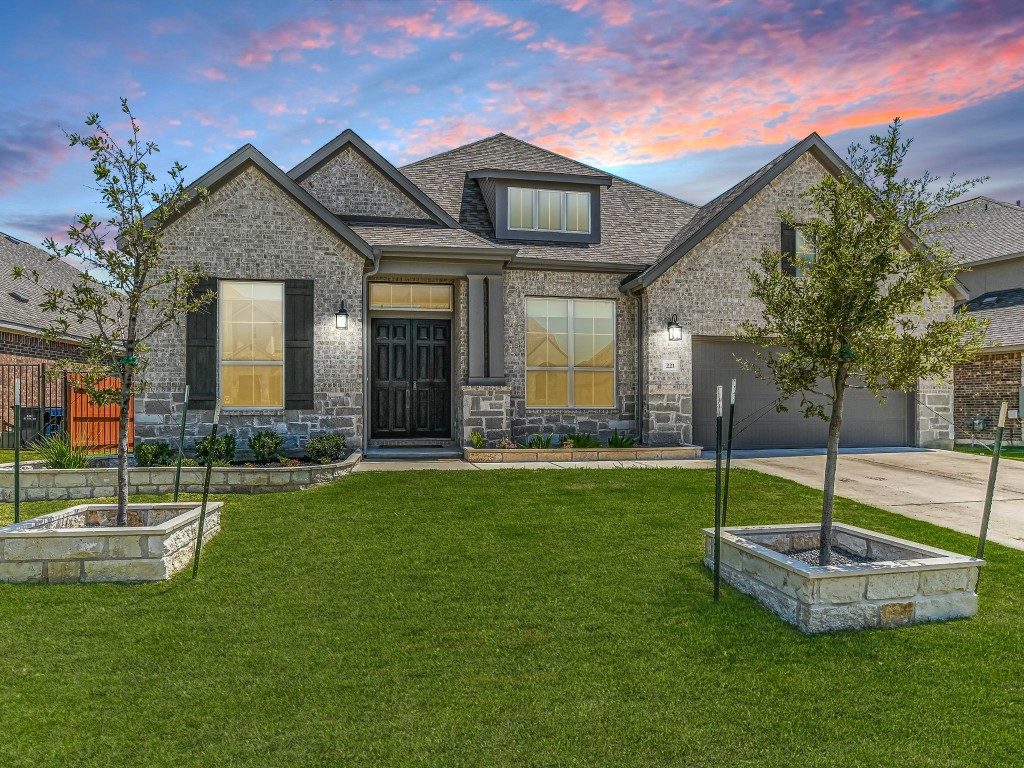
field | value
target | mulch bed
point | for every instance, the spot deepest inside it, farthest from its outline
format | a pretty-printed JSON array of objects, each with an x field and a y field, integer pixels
[{"x": 839, "y": 557}]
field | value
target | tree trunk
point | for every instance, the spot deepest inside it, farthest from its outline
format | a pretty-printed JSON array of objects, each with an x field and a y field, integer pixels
[
  {"x": 835, "y": 425},
  {"x": 122, "y": 446}
]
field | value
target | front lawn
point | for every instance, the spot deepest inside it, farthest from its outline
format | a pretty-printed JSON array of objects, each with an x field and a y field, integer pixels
[
  {"x": 1015, "y": 452},
  {"x": 498, "y": 618},
  {"x": 7, "y": 454}
]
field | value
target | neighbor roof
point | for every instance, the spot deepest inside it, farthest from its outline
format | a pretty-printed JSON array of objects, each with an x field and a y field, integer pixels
[
  {"x": 990, "y": 230},
  {"x": 27, "y": 315},
  {"x": 712, "y": 215},
  {"x": 1005, "y": 312},
  {"x": 636, "y": 222}
]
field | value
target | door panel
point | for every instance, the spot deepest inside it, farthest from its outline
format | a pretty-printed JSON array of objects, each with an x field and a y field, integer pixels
[
  {"x": 411, "y": 378},
  {"x": 866, "y": 423}
]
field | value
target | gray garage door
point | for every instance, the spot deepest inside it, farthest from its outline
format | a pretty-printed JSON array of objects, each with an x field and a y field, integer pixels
[{"x": 866, "y": 424}]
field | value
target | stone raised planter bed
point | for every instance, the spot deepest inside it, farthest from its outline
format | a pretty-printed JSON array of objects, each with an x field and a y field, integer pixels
[
  {"x": 902, "y": 583},
  {"x": 498, "y": 455},
  {"x": 82, "y": 543},
  {"x": 38, "y": 483}
]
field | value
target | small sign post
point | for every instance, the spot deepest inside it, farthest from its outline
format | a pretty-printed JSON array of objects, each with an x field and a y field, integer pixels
[
  {"x": 17, "y": 450},
  {"x": 996, "y": 449},
  {"x": 206, "y": 489},
  {"x": 718, "y": 496},
  {"x": 728, "y": 455},
  {"x": 181, "y": 445}
]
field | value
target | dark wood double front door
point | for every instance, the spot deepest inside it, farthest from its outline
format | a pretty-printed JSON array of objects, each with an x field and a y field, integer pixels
[{"x": 411, "y": 384}]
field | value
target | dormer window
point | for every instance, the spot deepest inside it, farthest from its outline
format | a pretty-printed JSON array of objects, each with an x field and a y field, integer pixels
[{"x": 548, "y": 210}]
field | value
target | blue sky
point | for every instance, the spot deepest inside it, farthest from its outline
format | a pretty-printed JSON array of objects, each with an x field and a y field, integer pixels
[{"x": 687, "y": 97}]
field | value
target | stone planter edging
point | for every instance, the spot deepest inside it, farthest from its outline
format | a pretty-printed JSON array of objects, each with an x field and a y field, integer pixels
[
  {"x": 38, "y": 484},
  {"x": 915, "y": 584},
  {"x": 37, "y": 551},
  {"x": 520, "y": 455}
]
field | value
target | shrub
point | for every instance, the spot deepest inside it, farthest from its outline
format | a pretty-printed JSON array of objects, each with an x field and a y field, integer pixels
[
  {"x": 538, "y": 441},
  {"x": 221, "y": 452},
  {"x": 154, "y": 454},
  {"x": 59, "y": 453},
  {"x": 265, "y": 445},
  {"x": 505, "y": 444},
  {"x": 477, "y": 439},
  {"x": 580, "y": 440},
  {"x": 620, "y": 441},
  {"x": 326, "y": 448}
]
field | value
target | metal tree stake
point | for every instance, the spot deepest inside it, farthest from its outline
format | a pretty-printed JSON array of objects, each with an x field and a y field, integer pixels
[
  {"x": 206, "y": 489},
  {"x": 718, "y": 495},
  {"x": 992, "y": 479},
  {"x": 728, "y": 456},
  {"x": 181, "y": 445},
  {"x": 17, "y": 450}
]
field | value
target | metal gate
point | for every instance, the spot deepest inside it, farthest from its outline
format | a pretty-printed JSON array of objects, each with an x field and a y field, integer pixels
[{"x": 50, "y": 405}]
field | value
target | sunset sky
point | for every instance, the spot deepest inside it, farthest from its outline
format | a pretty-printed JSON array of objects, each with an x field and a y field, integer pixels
[{"x": 686, "y": 97}]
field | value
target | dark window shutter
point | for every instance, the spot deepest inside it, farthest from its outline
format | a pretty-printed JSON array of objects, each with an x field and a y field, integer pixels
[
  {"x": 788, "y": 250},
  {"x": 298, "y": 344},
  {"x": 201, "y": 351}
]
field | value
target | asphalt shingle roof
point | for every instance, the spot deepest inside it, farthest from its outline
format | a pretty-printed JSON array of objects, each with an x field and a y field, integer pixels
[
  {"x": 996, "y": 229},
  {"x": 56, "y": 274},
  {"x": 437, "y": 237},
  {"x": 636, "y": 222},
  {"x": 1005, "y": 315}
]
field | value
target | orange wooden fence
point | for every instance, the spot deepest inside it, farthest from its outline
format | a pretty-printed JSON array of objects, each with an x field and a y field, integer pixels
[{"x": 93, "y": 426}]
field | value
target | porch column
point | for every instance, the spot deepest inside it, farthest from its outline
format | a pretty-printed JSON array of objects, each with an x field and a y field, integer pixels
[
  {"x": 476, "y": 328},
  {"x": 496, "y": 328}
]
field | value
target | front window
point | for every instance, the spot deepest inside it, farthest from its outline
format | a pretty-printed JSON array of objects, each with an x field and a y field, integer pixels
[
  {"x": 417, "y": 297},
  {"x": 548, "y": 210},
  {"x": 252, "y": 344},
  {"x": 570, "y": 353},
  {"x": 805, "y": 253}
]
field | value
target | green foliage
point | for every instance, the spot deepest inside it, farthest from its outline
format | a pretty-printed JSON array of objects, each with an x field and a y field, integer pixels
[
  {"x": 580, "y": 440},
  {"x": 265, "y": 445},
  {"x": 538, "y": 441},
  {"x": 477, "y": 439},
  {"x": 620, "y": 441},
  {"x": 505, "y": 443},
  {"x": 326, "y": 448},
  {"x": 58, "y": 452},
  {"x": 154, "y": 454},
  {"x": 222, "y": 450}
]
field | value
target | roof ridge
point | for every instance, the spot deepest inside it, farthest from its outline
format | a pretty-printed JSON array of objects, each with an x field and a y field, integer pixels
[
  {"x": 453, "y": 149},
  {"x": 976, "y": 198}
]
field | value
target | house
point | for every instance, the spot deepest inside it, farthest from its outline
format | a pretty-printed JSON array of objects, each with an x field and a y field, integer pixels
[
  {"x": 497, "y": 287},
  {"x": 991, "y": 242},
  {"x": 24, "y": 352}
]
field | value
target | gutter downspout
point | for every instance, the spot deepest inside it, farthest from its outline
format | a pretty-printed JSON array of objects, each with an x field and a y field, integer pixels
[
  {"x": 641, "y": 360},
  {"x": 364, "y": 323}
]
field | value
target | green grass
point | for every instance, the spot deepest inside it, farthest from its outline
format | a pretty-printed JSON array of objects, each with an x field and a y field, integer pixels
[
  {"x": 7, "y": 454},
  {"x": 499, "y": 618},
  {"x": 1015, "y": 452}
]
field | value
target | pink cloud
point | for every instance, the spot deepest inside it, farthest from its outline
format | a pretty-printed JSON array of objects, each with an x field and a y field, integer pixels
[
  {"x": 228, "y": 126},
  {"x": 213, "y": 73},
  {"x": 421, "y": 25},
  {"x": 29, "y": 151},
  {"x": 287, "y": 40}
]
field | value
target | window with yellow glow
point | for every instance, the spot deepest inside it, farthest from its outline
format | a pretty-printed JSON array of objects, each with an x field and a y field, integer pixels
[
  {"x": 411, "y": 297},
  {"x": 570, "y": 353},
  {"x": 252, "y": 344}
]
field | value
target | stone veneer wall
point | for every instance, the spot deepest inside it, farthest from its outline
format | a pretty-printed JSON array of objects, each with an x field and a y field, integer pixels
[
  {"x": 522, "y": 283},
  {"x": 709, "y": 291},
  {"x": 349, "y": 185},
  {"x": 485, "y": 410},
  {"x": 252, "y": 230},
  {"x": 982, "y": 385}
]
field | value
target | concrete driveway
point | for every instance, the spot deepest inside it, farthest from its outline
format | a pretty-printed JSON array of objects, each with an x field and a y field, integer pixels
[{"x": 941, "y": 487}]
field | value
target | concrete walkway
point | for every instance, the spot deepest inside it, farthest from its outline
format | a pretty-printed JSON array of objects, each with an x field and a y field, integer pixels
[{"x": 940, "y": 487}]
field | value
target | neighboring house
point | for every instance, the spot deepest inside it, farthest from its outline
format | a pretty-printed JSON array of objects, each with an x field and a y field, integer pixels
[
  {"x": 497, "y": 287},
  {"x": 992, "y": 247},
  {"x": 23, "y": 350}
]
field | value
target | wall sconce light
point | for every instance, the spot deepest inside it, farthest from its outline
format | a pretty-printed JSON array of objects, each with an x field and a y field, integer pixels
[
  {"x": 341, "y": 316},
  {"x": 675, "y": 330}
]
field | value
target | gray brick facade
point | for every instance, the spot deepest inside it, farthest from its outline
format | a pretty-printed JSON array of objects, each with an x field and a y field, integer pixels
[
  {"x": 252, "y": 230},
  {"x": 349, "y": 185}
]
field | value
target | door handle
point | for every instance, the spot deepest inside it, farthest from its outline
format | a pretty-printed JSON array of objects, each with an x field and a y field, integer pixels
[{"x": 414, "y": 385}]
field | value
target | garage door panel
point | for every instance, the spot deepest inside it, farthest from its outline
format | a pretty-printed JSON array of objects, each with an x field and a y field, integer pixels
[{"x": 866, "y": 423}]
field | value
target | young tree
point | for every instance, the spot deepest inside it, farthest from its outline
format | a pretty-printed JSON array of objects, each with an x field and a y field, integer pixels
[
  {"x": 124, "y": 294},
  {"x": 857, "y": 316}
]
